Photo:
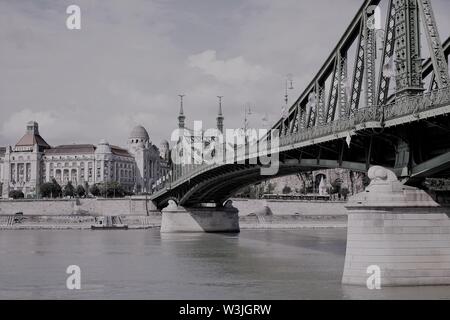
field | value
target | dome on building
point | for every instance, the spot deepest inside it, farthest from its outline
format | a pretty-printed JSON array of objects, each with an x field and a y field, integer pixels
[{"x": 139, "y": 133}]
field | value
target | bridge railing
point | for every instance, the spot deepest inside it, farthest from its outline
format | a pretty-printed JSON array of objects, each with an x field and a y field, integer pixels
[
  {"x": 410, "y": 105},
  {"x": 360, "y": 116},
  {"x": 402, "y": 106}
]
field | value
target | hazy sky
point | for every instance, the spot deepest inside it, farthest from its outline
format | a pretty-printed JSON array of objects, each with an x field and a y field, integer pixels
[{"x": 132, "y": 58}]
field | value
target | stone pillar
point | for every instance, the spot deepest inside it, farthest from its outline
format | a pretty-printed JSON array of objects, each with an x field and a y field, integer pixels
[
  {"x": 398, "y": 229},
  {"x": 47, "y": 172},
  {"x": 179, "y": 219},
  {"x": 102, "y": 171},
  {"x": 86, "y": 172},
  {"x": 6, "y": 173}
]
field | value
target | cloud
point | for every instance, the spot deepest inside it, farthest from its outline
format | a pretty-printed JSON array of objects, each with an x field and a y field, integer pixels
[
  {"x": 232, "y": 71},
  {"x": 129, "y": 62}
]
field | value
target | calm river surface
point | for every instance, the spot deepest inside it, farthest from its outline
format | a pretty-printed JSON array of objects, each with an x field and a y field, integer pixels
[{"x": 143, "y": 264}]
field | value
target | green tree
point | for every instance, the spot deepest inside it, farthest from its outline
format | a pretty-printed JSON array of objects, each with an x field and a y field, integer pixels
[
  {"x": 345, "y": 192},
  {"x": 249, "y": 192},
  {"x": 16, "y": 194},
  {"x": 336, "y": 186},
  {"x": 57, "y": 190},
  {"x": 112, "y": 189},
  {"x": 50, "y": 189},
  {"x": 80, "y": 191},
  {"x": 366, "y": 181},
  {"x": 287, "y": 190},
  {"x": 86, "y": 188},
  {"x": 69, "y": 190},
  {"x": 270, "y": 188},
  {"x": 46, "y": 190},
  {"x": 95, "y": 190}
]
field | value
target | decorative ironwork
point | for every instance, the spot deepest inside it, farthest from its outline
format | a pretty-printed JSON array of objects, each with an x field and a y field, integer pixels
[
  {"x": 388, "y": 53},
  {"x": 434, "y": 43},
  {"x": 312, "y": 118}
]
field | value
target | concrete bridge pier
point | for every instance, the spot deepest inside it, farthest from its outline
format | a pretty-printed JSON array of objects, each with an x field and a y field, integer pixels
[
  {"x": 396, "y": 232},
  {"x": 200, "y": 219}
]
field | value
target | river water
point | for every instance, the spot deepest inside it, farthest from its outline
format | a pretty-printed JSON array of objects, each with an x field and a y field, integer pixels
[{"x": 144, "y": 264}]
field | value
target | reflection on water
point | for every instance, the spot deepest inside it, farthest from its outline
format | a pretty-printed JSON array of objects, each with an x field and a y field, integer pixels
[{"x": 144, "y": 264}]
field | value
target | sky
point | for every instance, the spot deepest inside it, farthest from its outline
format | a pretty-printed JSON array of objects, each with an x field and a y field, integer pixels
[{"x": 132, "y": 58}]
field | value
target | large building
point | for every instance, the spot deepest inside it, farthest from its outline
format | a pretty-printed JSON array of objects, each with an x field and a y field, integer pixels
[{"x": 32, "y": 161}]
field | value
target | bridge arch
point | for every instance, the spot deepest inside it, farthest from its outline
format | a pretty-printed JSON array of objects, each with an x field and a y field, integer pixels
[{"x": 220, "y": 183}]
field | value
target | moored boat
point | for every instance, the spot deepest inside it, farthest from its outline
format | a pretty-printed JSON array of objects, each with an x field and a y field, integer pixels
[{"x": 109, "y": 223}]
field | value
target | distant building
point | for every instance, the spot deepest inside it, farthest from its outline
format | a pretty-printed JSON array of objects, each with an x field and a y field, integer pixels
[{"x": 32, "y": 161}]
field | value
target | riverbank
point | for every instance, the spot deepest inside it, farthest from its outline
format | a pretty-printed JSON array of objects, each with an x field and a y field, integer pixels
[
  {"x": 73, "y": 222},
  {"x": 253, "y": 214},
  {"x": 149, "y": 222}
]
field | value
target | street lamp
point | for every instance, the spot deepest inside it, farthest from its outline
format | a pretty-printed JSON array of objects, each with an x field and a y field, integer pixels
[
  {"x": 247, "y": 112},
  {"x": 288, "y": 85}
]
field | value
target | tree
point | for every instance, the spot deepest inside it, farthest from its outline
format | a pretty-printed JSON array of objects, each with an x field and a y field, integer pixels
[
  {"x": 270, "y": 188},
  {"x": 248, "y": 192},
  {"x": 57, "y": 190},
  {"x": 366, "y": 181},
  {"x": 112, "y": 189},
  {"x": 287, "y": 190},
  {"x": 16, "y": 194},
  {"x": 46, "y": 190},
  {"x": 345, "y": 192},
  {"x": 336, "y": 186},
  {"x": 306, "y": 178},
  {"x": 95, "y": 190},
  {"x": 128, "y": 193},
  {"x": 80, "y": 191},
  {"x": 50, "y": 189},
  {"x": 69, "y": 190},
  {"x": 86, "y": 188}
]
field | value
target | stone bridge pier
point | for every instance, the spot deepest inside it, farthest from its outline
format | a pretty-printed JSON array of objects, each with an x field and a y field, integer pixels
[
  {"x": 398, "y": 232},
  {"x": 200, "y": 219}
]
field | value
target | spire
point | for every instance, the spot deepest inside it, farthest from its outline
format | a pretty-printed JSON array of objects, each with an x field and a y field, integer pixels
[
  {"x": 220, "y": 115},
  {"x": 181, "y": 116}
]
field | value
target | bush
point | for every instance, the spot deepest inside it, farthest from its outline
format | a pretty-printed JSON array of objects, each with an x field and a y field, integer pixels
[
  {"x": 287, "y": 190},
  {"x": 50, "y": 189},
  {"x": 345, "y": 192},
  {"x": 112, "y": 190},
  {"x": 16, "y": 194},
  {"x": 95, "y": 190},
  {"x": 270, "y": 188},
  {"x": 80, "y": 191},
  {"x": 86, "y": 188},
  {"x": 69, "y": 190},
  {"x": 366, "y": 181}
]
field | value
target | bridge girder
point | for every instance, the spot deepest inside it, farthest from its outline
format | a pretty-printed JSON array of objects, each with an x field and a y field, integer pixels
[
  {"x": 218, "y": 187},
  {"x": 389, "y": 125}
]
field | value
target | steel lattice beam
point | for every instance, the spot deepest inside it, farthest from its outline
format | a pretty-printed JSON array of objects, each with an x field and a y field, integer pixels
[
  {"x": 334, "y": 92},
  {"x": 343, "y": 45},
  {"x": 388, "y": 53},
  {"x": 434, "y": 43},
  {"x": 407, "y": 38},
  {"x": 358, "y": 73}
]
